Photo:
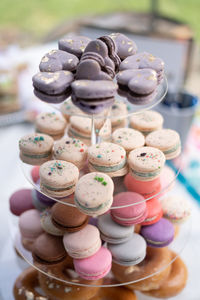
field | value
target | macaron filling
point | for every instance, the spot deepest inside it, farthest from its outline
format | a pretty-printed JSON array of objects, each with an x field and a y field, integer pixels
[
  {"x": 37, "y": 156},
  {"x": 57, "y": 189},
  {"x": 115, "y": 240},
  {"x": 172, "y": 149},
  {"x": 147, "y": 175},
  {"x": 129, "y": 219},
  {"x": 157, "y": 243},
  {"x": 110, "y": 168},
  {"x": 132, "y": 261},
  {"x": 74, "y": 133},
  {"x": 83, "y": 253},
  {"x": 94, "y": 209}
]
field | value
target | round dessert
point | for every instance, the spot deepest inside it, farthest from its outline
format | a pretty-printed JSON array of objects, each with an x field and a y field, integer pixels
[
  {"x": 35, "y": 173},
  {"x": 94, "y": 193},
  {"x": 175, "y": 282},
  {"x": 146, "y": 188},
  {"x": 21, "y": 201},
  {"x": 58, "y": 178},
  {"x": 125, "y": 46},
  {"x": 51, "y": 124},
  {"x": 108, "y": 158},
  {"x": 35, "y": 148},
  {"x": 146, "y": 121},
  {"x": 129, "y": 253},
  {"x": 94, "y": 267},
  {"x": 154, "y": 210},
  {"x": 113, "y": 233},
  {"x": 128, "y": 138},
  {"x": 84, "y": 243},
  {"x": 133, "y": 214},
  {"x": 157, "y": 259},
  {"x": 68, "y": 218},
  {"x": 47, "y": 224},
  {"x": 37, "y": 203},
  {"x": 166, "y": 140},
  {"x": 91, "y": 69},
  {"x": 48, "y": 249},
  {"x": 30, "y": 227},
  {"x": 68, "y": 109},
  {"x": 74, "y": 44},
  {"x": 71, "y": 150},
  {"x": 159, "y": 234},
  {"x": 176, "y": 208},
  {"x": 146, "y": 163},
  {"x": 118, "y": 114}
]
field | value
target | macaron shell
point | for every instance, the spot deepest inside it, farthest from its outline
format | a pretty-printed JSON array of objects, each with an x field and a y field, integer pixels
[
  {"x": 29, "y": 224},
  {"x": 128, "y": 138},
  {"x": 21, "y": 201},
  {"x": 129, "y": 253},
  {"x": 36, "y": 143},
  {"x": 50, "y": 123},
  {"x": 83, "y": 125},
  {"x": 155, "y": 212},
  {"x": 147, "y": 121},
  {"x": 48, "y": 226},
  {"x": 74, "y": 44},
  {"x": 125, "y": 46},
  {"x": 121, "y": 172},
  {"x": 83, "y": 243},
  {"x": 94, "y": 267}
]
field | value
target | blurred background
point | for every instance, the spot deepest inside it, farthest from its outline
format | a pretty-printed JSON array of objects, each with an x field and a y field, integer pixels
[{"x": 28, "y": 29}]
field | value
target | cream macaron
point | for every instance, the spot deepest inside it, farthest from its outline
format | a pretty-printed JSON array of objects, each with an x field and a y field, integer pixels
[
  {"x": 94, "y": 193},
  {"x": 108, "y": 158},
  {"x": 35, "y": 148},
  {"x": 128, "y": 138},
  {"x": 71, "y": 150},
  {"x": 52, "y": 124},
  {"x": 58, "y": 178},
  {"x": 146, "y": 163},
  {"x": 166, "y": 140},
  {"x": 147, "y": 121}
]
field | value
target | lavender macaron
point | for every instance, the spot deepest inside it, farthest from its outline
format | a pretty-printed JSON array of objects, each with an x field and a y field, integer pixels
[
  {"x": 74, "y": 44},
  {"x": 159, "y": 234}
]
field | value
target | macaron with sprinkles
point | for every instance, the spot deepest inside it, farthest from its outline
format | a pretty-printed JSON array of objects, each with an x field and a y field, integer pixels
[
  {"x": 58, "y": 178},
  {"x": 94, "y": 193},
  {"x": 166, "y": 140},
  {"x": 35, "y": 148},
  {"x": 176, "y": 209},
  {"x": 128, "y": 138},
  {"x": 146, "y": 121},
  {"x": 146, "y": 163},
  {"x": 71, "y": 150},
  {"x": 52, "y": 124},
  {"x": 108, "y": 158}
]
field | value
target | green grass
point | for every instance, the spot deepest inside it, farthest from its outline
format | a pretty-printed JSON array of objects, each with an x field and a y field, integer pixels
[{"x": 40, "y": 16}]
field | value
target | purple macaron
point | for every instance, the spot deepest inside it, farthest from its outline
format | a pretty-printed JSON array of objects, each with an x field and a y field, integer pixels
[
  {"x": 159, "y": 234},
  {"x": 21, "y": 201}
]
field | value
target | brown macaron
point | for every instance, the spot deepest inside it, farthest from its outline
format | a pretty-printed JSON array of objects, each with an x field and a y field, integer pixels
[
  {"x": 48, "y": 249},
  {"x": 68, "y": 217}
]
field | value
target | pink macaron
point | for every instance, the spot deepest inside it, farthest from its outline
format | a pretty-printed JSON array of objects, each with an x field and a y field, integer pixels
[
  {"x": 146, "y": 188},
  {"x": 155, "y": 211},
  {"x": 21, "y": 201},
  {"x": 94, "y": 267},
  {"x": 30, "y": 227},
  {"x": 133, "y": 214},
  {"x": 35, "y": 173}
]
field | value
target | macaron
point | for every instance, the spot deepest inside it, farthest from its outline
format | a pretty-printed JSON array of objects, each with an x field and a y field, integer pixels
[
  {"x": 91, "y": 69},
  {"x": 30, "y": 227},
  {"x": 35, "y": 173},
  {"x": 68, "y": 218},
  {"x": 108, "y": 158},
  {"x": 81, "y": 128},
  {"x": 83, "y": 243},
  {"x": 146, "y": 121},
  {"x": 74, "y": 44},
  {"x": 47, "y": 224},
  {"x": 166, "y": 140},
  {"x": 125, "y": 46},
  {"x": 154, "y": 211},
  {"x": 94, "y": 267},
  {"x": 93, "y": 96},
  {"x": 94, "y": 193},
  {"x": 35, "y": 148},
  {"x": 167, "y": 179},
  {"x": 112, "y": 232},
  {"x": 57, "y": 60},
  {"x": 128, "y": 138},
  {"x": 71, "y": 150},
  {"x": 21, "y": 201},
  {"x": 48, "y": 249},
  {"x": 129, "y": 253},
  {"x": 146, "y": 188},
  {"x": 52, "y": 124},
  {"x": 58, "y": 178},
  {"x": 146, "y": 163},
  {"x": 37, "y": 203},
  {"x": 68, "y": 109},
  {"x": 135, "y": 213},
  {"x": 52, "y": 87},
  {"x": 176, "y": 208},
  {"x": 118, "y": 114},
  {"x": 159, "y": 234},
  {"x": 44, "y": 199}
]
